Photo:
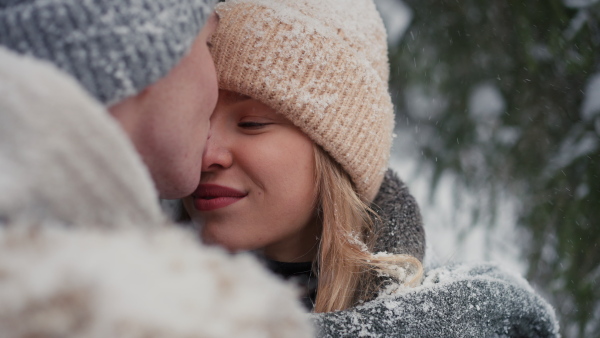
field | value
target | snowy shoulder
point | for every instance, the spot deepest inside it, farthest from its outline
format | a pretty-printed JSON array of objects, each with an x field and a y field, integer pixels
[
  {"x": 95, "y": 283},
  {"x": 478, "y": 300}
]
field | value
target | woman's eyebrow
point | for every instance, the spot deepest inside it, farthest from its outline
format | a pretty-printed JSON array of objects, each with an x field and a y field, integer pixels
[{"x": 241, "y": 97}]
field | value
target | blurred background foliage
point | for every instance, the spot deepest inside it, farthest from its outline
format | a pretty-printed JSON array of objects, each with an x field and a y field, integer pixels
[{"x": 506, "y": 96}]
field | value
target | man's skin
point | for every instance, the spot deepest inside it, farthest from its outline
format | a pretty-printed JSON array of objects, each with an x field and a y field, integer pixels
[{"x": 168, "y": 121}]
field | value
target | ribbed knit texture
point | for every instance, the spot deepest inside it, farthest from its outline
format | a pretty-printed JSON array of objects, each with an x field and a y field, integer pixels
[
  {"x": 115, "y": 48},
  {"x": 399, "y": 229},
  {"x": 323, "y": 65}
]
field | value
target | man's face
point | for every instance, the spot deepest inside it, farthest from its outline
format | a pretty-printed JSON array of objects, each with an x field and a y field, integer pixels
[{"x": 168, "y": 122}]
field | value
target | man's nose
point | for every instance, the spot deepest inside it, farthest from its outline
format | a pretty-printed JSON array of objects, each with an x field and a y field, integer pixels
[{"x": 217, "y": 154}]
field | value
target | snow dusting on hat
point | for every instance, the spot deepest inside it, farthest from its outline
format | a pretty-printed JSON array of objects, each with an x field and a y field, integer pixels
[
  {"x": 115, "y": 48},
  {"x": 323, "y": 65}
]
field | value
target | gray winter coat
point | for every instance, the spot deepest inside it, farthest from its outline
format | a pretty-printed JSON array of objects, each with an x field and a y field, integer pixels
[{"x": 478, "y": 300}]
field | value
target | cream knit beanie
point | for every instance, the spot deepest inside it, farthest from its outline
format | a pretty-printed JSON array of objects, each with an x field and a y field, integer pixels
[{"x": 323, "y": 65}]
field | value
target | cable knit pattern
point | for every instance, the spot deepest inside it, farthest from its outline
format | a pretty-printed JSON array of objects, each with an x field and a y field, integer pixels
[
  {"x": 115, "y": 48},
  {"x": 323, "y": 65}
]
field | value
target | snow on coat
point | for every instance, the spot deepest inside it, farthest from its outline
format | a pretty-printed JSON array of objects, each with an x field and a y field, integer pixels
[
  {"x": 453, "y": 301},
  {"x": 84, "y": 248},
  {"x": 470, "y": 300}
]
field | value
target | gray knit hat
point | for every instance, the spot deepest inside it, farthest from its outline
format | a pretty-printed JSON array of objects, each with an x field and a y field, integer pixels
[{"x": 115, "y": 48}]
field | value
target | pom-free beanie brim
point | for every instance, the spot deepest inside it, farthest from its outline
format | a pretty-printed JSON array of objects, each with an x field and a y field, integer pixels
[{"x": 317, "y": 74}]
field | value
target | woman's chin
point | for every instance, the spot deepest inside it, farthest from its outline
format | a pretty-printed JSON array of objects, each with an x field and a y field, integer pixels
[{"x": 227, "y": 242}]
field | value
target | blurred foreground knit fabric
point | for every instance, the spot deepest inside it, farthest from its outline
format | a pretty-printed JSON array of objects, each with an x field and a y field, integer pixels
[
  {"x": 84, "y": 249},
  {"x": 93, "y": 283}
]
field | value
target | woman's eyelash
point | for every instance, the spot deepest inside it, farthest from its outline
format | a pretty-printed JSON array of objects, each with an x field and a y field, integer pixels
[{"x": 252, "y": 125}]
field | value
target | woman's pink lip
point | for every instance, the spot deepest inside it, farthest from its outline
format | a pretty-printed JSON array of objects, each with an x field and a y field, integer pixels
[{"x": 209, "y": 197}]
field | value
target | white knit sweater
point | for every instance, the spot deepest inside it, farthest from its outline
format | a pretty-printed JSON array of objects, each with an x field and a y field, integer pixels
[{"x": 84, "y": 248}]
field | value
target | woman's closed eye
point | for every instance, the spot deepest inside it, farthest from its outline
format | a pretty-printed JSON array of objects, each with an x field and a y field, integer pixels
[{"x": 253, "y": 125}]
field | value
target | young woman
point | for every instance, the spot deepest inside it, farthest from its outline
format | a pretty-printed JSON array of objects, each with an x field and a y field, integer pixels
[
  {"x": 299, "y": 145},
  {"x": 258, "y": 192},
  {"x": 295, "y": 169}
]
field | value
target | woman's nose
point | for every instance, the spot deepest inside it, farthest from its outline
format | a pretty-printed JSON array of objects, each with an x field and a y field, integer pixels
[{"x": 217, "y": 154}]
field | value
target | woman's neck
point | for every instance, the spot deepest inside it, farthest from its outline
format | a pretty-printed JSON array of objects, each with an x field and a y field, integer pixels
[{"x": 299, "y": 247}]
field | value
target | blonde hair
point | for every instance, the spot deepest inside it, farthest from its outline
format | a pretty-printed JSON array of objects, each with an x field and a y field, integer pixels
[
  {"x": 348, "y": 272},
  {"x": 346, "y": 267}
]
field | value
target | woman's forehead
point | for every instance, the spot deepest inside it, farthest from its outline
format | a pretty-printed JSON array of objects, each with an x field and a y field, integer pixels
[{"x": 233, "y": 97}]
